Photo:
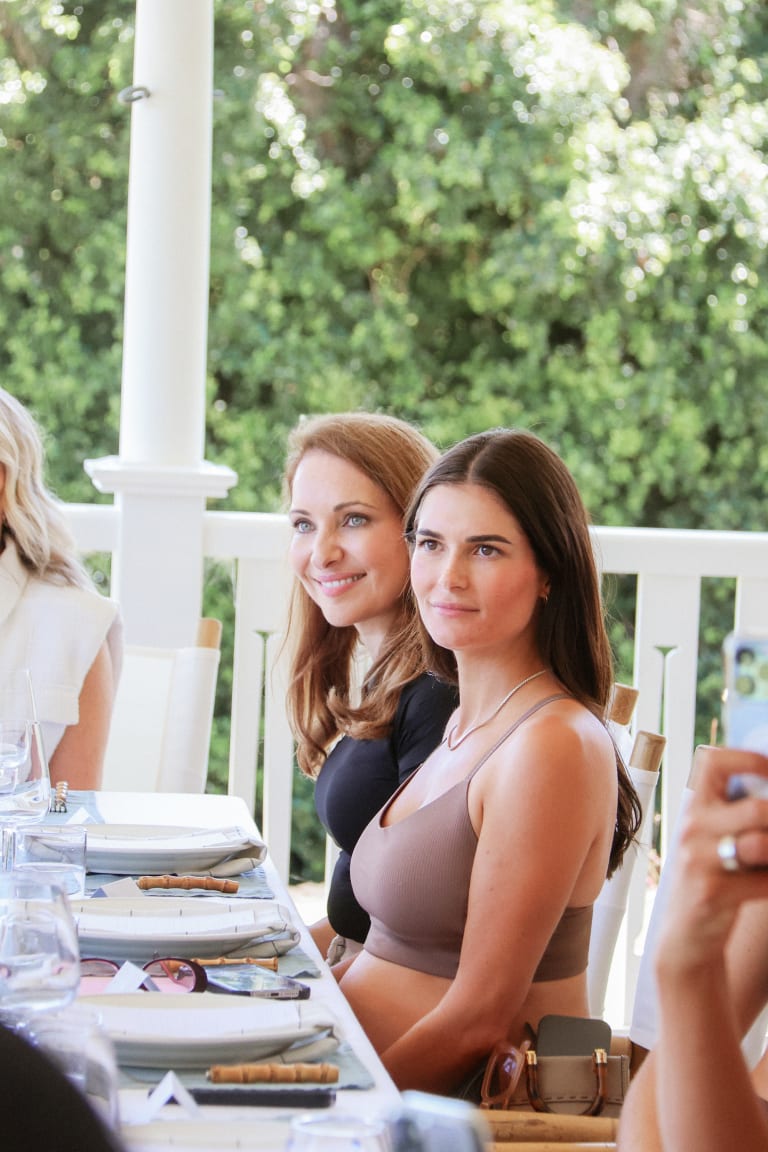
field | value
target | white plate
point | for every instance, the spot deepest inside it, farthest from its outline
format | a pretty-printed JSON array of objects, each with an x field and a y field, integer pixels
[
  {"x": 138, "y": 928},
  {"x": 131, "y": 849},
  {"x": 152, "y": 1030}
]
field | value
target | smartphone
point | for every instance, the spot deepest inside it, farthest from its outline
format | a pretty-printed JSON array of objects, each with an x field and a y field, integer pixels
[
  {"x": 250, "y": 980},
  {"x": 745, "y": 696},
  {"x": 745, "y": 784},
  {"x": 571, "y": 1036}
]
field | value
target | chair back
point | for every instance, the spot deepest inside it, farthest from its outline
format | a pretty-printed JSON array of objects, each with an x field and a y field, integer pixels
[
  {"x": 160, "y": 733},
  {"x": 611, "y": 905}
]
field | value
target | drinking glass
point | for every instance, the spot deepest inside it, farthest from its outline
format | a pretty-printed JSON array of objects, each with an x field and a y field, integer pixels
[
  {"x": 25, "y": 785},
  {"x": 75, "y": 1040},
  {"x": 337, "y": 1132},
  {"x": 39, "y": 953},
  {"x": 52, "y": 852}
]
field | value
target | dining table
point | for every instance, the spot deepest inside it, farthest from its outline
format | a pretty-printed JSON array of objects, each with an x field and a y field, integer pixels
[{"x": 158, "y": 1106}]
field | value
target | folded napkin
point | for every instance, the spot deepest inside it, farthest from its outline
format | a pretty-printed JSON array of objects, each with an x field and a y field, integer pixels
[{"x": 235, "y": 865}]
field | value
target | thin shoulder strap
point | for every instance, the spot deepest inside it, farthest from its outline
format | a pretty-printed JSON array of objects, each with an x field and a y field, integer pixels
[{"x": 520, "y": 720}]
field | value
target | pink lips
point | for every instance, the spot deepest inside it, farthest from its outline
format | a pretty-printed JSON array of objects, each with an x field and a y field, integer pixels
[
  {"x": 337, "y": 585},
  {"x": 450, "y": 609}
]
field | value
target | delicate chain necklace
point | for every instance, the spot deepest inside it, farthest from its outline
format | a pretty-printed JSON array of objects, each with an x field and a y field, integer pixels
[{"x": 475, "y": 727}]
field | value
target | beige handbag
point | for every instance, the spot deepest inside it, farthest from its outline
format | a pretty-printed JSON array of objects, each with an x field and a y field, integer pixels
[{"x": 575, "y": 1085}]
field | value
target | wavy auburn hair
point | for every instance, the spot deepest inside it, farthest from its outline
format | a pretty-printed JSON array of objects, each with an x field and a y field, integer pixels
[
  {"x": 534, "y": 484},
  {"x": 31, "y": 515},
  {"x": 395, "y": 456}
]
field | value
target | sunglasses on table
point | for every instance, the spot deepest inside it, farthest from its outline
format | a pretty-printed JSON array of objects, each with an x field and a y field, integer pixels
[
  {"x": 167, "y": 974},
  {"x": 502, "y": 1074},
  {"x": 174, "y": 974}
]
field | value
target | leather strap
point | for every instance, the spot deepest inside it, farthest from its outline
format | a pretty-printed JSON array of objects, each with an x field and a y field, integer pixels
[{"x": 600, "y": 1063}]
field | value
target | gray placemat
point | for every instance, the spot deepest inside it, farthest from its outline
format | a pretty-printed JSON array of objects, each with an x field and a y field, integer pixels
[
  {"x": 298, "y": 964},
  {"x": 251, "y": 886},
  {"x": 352, "y": 1073}
]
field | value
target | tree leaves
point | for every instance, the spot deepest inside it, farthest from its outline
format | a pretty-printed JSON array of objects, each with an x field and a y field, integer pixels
[{"x": 465, "y": 213}]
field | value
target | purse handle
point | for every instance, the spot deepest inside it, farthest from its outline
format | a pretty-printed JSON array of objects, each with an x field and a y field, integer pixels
[{"x": 600, "y": 1062}]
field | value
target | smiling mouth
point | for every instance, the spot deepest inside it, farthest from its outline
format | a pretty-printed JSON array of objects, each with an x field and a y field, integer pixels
[{"x": 344, "y": 582}]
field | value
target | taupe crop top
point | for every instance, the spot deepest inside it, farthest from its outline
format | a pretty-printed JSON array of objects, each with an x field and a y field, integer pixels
[{"x": 413, "y": 877}]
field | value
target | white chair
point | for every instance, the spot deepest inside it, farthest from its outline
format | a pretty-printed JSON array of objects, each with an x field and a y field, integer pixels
[
  {"x": 643, "y": 1029},
  {"x": 611, "y": 905},
  {"x": 160, "y": 733}
]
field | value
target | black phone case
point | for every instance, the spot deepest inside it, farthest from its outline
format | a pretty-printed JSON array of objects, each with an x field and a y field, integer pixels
[{"x": 571, "y": 1036}]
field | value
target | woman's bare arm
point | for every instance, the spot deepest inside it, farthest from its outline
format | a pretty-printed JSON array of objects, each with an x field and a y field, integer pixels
[{"x": 79, "y": 757}]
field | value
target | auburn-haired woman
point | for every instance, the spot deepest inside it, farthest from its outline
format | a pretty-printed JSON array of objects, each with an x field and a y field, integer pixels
[{"x": 350, "y": 478}]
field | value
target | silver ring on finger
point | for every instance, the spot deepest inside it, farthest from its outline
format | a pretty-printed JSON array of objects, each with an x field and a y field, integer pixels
[{"x": 727, "y": 853}]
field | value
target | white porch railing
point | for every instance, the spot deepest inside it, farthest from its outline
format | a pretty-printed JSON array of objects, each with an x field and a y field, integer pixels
[{"x": 668, "y": 566}]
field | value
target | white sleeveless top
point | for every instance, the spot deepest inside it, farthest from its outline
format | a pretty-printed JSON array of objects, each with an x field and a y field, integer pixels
[{"x": 55, "y": 630}]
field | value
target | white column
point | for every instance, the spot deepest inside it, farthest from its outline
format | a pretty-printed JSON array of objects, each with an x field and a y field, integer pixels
[
  {"x": 160, "y": 479},
  {"x": 169, "y": 203}
]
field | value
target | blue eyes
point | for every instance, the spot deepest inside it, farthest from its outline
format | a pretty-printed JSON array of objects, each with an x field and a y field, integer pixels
[{"x": 352, "y": 520}]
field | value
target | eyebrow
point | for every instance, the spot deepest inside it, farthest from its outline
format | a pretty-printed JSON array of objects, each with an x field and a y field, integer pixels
[
  {"x": 489, "y": 539},
  {"x": 336, "y": 508}
]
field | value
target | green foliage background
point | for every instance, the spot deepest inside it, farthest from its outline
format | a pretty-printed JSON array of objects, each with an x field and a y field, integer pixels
[{"x": 468, "y": 214}]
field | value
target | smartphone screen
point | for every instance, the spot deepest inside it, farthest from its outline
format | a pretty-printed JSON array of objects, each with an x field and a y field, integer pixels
[
  {"x": 745, "y": 699},
  {"x": 250, "y": 980}
]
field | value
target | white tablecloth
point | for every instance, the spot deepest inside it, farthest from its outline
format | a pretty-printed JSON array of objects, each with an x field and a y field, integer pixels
[{"x": 218, "y": 1128}]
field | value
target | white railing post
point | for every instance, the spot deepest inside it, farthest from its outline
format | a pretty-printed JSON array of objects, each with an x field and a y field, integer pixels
[{"x": 160, "y": 480}]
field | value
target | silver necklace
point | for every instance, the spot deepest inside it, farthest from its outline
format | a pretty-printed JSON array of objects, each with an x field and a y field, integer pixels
[{"x": 475, "y": 727}]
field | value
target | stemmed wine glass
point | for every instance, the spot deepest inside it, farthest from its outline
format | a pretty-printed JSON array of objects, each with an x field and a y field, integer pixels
[{"x": 25, "y": 784}]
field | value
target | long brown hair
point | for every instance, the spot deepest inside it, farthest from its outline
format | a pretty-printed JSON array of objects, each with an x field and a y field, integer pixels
[
  {"x": 395, "y": 456},
  {"x": 532, "y": 481}
]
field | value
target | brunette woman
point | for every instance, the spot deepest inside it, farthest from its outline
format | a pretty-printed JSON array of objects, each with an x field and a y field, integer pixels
[{"x": 480, "y": 874}]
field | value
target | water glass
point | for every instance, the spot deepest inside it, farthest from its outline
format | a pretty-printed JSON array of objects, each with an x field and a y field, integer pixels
[
  {"x": 39, "y": 952},
  {"x": 337, "y": 1132},
  {"x": 53, "y": 852},
  {"x": 25, "y": 785},
  {"x": 76, "y": 1042}
]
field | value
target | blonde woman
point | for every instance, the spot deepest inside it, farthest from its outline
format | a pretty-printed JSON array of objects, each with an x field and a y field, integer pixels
[
  {"x": 52, "y": 619},
  {"x": 350, "y": 478}
]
